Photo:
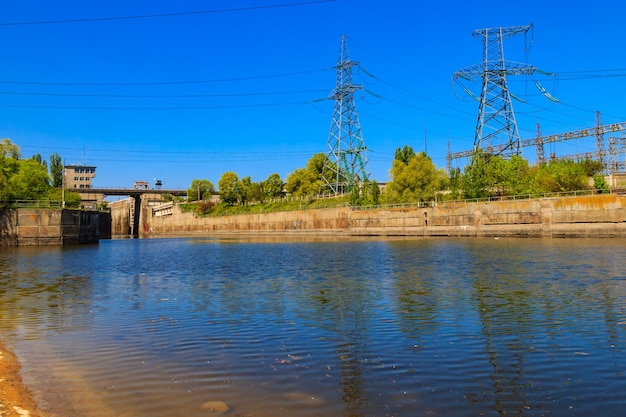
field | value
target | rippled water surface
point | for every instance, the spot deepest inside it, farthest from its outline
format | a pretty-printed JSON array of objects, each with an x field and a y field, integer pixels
[{"x": 180, "y": 327}]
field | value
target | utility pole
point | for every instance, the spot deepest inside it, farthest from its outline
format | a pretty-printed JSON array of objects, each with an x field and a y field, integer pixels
[
  {"x": 496, "y": 126},
  {"x": 346, "y": 165},
  {"x": 63, "y": 186}
]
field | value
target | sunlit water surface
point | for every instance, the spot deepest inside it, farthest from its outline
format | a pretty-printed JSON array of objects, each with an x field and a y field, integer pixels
[{"x": 179, "y": 327}]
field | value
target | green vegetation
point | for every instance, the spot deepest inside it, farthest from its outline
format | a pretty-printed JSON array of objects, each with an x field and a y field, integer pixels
[
  {"x": 490, "y": 175},
  {"x": 29, "y": 179},
  {"x": 200, "y": 190},
  {"x": 414, "y": 178}
]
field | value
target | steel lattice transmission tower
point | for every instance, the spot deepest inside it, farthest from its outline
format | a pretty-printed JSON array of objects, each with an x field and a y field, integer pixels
[
  {"x": 496, "y": 125},
  {"x": 346, "y": 165}
]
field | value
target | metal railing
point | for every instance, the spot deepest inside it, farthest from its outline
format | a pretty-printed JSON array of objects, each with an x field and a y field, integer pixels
[
  {"x": 414, "y": 205},
  {"x": 45, "y": 204}
]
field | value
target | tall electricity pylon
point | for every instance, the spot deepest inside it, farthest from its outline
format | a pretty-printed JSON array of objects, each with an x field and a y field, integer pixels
[
  {"x": 496, "y": 124},
  {"x": 346, "y": 165}
]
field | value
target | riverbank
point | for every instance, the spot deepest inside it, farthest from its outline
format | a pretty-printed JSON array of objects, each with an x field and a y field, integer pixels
[{"x": 16, "y": 399}]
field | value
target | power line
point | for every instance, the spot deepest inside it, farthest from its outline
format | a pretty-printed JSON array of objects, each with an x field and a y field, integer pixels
[
  {"x": 168, "y": 152},
  {"x": 222, "y": 80},
  {"x": 233, "y": 106},
  {"x": 18, "y": 93},
  {"x": 158, "y": 15}
]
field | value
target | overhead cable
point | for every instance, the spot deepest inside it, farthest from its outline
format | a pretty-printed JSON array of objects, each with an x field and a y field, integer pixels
[{"x": 158, "y": 15}]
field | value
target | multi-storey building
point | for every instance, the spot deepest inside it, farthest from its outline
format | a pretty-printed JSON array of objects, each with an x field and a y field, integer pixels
[{"x": 79, "y": 176}]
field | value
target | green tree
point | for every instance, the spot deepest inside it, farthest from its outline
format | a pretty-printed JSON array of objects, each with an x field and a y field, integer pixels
[
  {"x": 301, "y": 182},
  {"x": 38, "y": 158},
  {"x": 31, "y": 182},
  {"x": 9, "y": 166},
  {"x": 309, "y": 180},
  {"x": 371, "y": 193},
  {"x": 599, "y": 183},
  {"x": 244, "y": 188},
  {"x": 72, "y": 199},
  {"x": 474, "y": 182},
  {"x": 404, "y": 154},
  {"x": 255, "y": 193},
  {"x": 9, "y": 149},
  {"x": 272, "y": 186},
  {"x": 229, "y": 187},
  {"x": 56, "y": 170},
  {"x": 200, "y": 190},
  {"x": 559, "y": 176},
  {"x": 419, "y": 180},
  {"x": 591, "y": 166}
]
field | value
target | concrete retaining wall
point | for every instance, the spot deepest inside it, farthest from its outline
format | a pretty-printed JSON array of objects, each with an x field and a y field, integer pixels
[
  {"x": 33, "y": 227},
  {"x": 581, "y": 216}
]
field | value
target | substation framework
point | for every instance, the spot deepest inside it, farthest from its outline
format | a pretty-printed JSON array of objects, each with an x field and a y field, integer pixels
[{"x": 607, "y": 155}]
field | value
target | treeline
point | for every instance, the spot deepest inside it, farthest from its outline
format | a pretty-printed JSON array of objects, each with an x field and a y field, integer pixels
[
  {"x": 31, "y": 178},
  {"x": 413, "y": 178}
]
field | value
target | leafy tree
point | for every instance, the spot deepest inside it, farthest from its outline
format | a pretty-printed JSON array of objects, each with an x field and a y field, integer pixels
[
  {"x": 591, "y": 167},
  {"x": 404, "y": 154},
  {"x": 371, "y": 192},
  {"x": 244, "y": 188},
  {"x": 56, "y": 170},
  {"x": 200, "y": 190},
  {"x": 9, "y": 166},
  {"x": 493, "y": 175},
  {"x": 419, "y": 180},
  {"x": 559, "y": 176},
  {"x": 516, "y": 179},
  {"x": 229, "y": 187},
  {"x": 309, "y": 180},
  {"x": 72, "y": 199},
  {"x": 272, "y": 186},
  {"x": 301, "y": 182},
  {"x": 9, "y": 149},
  {"x": 455, "y": 183},
  {"x": 367, "y": 194},
  {"x": 474, "y": 180},
  {"x": 31, "y": 182},
  {"x": 255, "y": 192},
  {"x": 599, "y": 182},
  {"x": 507, "y": 177},
  {"x": 37, "y": 157}
]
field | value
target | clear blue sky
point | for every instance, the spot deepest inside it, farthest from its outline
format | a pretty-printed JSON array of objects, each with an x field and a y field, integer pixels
[{"x": 240, "y": 85}]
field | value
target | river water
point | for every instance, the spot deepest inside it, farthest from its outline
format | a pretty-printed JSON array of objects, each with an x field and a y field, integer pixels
[{"x": 451, "y": 327}]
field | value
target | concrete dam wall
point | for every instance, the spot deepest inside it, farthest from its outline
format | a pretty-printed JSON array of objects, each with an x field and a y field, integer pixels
[
  {"x": 602, "y": 215},
  {"x": 41, "y": 227}
]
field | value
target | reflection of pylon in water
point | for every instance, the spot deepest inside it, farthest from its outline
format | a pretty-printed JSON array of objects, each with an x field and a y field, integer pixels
[
  {"x": 345, "y": 167},
  {"x": 496, "y": 126}
]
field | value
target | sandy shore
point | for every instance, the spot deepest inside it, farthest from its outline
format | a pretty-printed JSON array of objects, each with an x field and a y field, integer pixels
[{"x": 15, "y": 398}]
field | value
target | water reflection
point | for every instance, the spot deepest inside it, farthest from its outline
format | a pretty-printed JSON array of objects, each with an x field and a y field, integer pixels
[
  {"x": 38, "y": 295},
  {"x": 369, "y": 328}
]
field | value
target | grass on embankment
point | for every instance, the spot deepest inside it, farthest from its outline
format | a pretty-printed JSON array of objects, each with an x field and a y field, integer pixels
[{"x": 209, "y": 209}]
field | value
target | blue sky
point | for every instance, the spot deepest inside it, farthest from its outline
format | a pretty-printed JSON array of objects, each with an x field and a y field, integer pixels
[{"x": 191, "y": 89}]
